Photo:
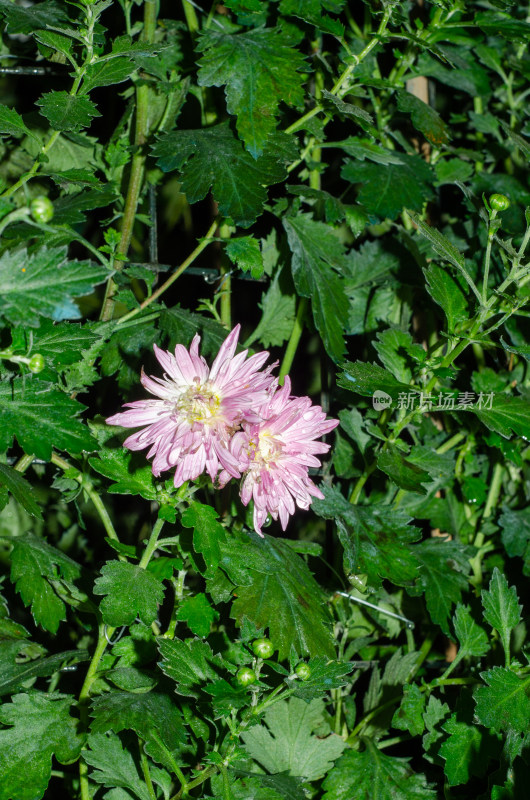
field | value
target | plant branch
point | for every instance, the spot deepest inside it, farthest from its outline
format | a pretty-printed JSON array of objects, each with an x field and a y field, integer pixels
[
  {"x": 178, "y": 272},
  {"x": 137, "y": 165},
  {"x": 85, "y": 482}
]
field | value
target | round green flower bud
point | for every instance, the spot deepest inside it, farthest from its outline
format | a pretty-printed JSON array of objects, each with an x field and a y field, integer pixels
[
  {"x": 499, "y": 202},
  {"x": 246, "y": 676},
  {"x": 41, "y": 209},
  {"x": 263, "y": 648},
  {"x": 36, "y": 363},
  {"x": 303, "y": 670}
]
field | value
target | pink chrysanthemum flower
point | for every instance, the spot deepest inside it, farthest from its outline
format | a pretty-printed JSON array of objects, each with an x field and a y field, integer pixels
[
  {"x": 275, "y": 455},
  {"x": 197, "y": 409}
]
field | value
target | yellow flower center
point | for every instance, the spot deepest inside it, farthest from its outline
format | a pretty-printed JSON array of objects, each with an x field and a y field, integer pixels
[
  {"x": 266, "y": 448},
  {"x": 199, "y": 403}
]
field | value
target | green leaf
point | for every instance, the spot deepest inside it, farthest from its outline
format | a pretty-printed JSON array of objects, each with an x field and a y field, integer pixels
[
  {"x": 506, "y": 414},
  {"x": 208, "y": 533},
  {"x": 515, "y": 535},
  {"x": 520, "y": 350},
  {"x": 376, "y": 539},
  {"x": 40, "y": 417},
  {"x": 34, "y": 563},
  {"x": 214, "y": 158},
  {"x": 114, "y": 766},
  {"x": 311, "y": 11},
  {"x": 516, "y": 30},
  {"x": 105, "y": 73},
  {"x": 473, "y": 639},
  {"x": 131, "y": 474},
  {"x": 440, "y": 243},
  {"x": 464, "y": 73},
  {"x": 44, "y": 284},
  {"x": 288, "y": 787},
  {"x": 65, "y": 112},
  {"x": 12, "y": 124},
  {"x": 225, "y": 698},
  {"x": 424, "y": 118},
  {"x": 372, "y": 775},
  {"x": 285, "y": 743},
  {"x": 404, "y": 473},
  {"x": 125, "y": 351},
  {"x": 259, "y": 70},
  {"x": 191, "y": 664},
  {"x": 325, "y": 675},
  {"x": 387, "y": 189},
  {"x": 464, "y": 752},
  {"x": 435, "y": 712},
  {"x": 70, "y": 209},
  {"x": 16, "y": 667},
  {"x": 59, "y": 343},
  {"x": 62, "y": 44},
  {"x": 154, "y": 716},
  {"x": 197, "y": 612},
  {"x": 278, "y": 314},
  {"x": 317, "y": 257},
  {"x": 504, "y": 703},
  {"x": 442, "y": 576},
  {"x": 501, "y": 608},
  {"x": 399, "y": 354},
  {"x": 366, "y": 379},
  {"x": 247, "y": 788},
  {"x": 447, "y": 292},
  {"x": 130, "y": 592},
  {"x": 409, "y": 715},
  {"x": 275, "y": 589},
  {"x": 245, "y": 253},
  {"x": 21, "y": 490},
  {"x": 347, "y": 109},
  {"x": 40, "y": 727},
  {"x": 26, "y": 20},
  {"x": 451, "y": 170}
]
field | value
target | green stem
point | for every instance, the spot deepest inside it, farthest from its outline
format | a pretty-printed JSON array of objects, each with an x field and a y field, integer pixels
[
  {"x": 169, "y": 755},
  {"x": 227, "y": 791},
  {"x": 357, "y": 489},
  {"x": 178, "y": 586},
  {"x": 450, "y": 443},
  {"x": 144, "y": 763},
  {"x": 494, "y": 491},
  {"x": 491, "y": 503},
  {"x": 178, "y": 272},
  {"x": 192, "y": 20},
  {"x": 487, "y": 258},
  {"x": 14, "y": 216},
  {"x": 152, "y": 543},
  {"x": 98, "y": 503},
  {"x": 226, "y": 283},
  {"x": 294, "y": 340},
  {"x": 84, "y": 695},
  {"x": 338, "y": 89},
  {"x": 23, "y": 463},
  {"x": 406, "y": 737},
  {"x": 34, "y": 168},
  {"x": 137, "y": 165},
  {"x": 104, "y": 635}
]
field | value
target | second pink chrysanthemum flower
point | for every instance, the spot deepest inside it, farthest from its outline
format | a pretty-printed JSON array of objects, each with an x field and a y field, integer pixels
[
  {"x": 197, "y": 410},
  {"x": 275, "y": 454}
]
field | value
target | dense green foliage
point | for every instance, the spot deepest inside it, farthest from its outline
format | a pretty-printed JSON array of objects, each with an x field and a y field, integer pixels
[{"x": 349, "y": 182}]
